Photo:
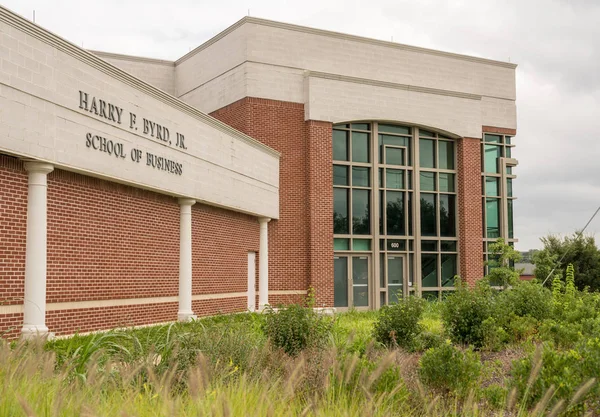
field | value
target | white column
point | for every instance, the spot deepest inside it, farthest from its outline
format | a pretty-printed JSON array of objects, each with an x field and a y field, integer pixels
[
  {"x": 263, "y": 264},
  {"x": 185, "y": 312},
  {"x": 34, "y": 304}
]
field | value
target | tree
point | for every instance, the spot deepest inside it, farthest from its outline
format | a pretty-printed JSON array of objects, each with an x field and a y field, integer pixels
[
  {"x": 579, "y": 250},
  {"x": 501, "y": 260}
]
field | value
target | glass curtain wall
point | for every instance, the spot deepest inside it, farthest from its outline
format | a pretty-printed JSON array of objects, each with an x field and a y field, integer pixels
[
  {"x": 407, "y": 220},
  {"x": 497, "y": 195}
]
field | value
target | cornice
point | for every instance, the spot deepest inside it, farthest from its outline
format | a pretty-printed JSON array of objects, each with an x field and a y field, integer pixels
[
  {"x": 32, "y": 29},
  {"x": 339, "y": 35},
  {"x": 133, "y": 58},
  {"x": 386, "y": 84}
]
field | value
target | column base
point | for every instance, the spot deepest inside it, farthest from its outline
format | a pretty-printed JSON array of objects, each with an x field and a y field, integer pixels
[
  {"x": 186, "y": 316},
  {"x": 32, "y": 331}
]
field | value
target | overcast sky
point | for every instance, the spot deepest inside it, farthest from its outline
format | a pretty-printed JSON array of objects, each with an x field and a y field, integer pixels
[{"x": 555, "y": 43}]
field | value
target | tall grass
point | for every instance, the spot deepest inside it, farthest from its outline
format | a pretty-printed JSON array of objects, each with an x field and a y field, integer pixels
[{"x": 226, "y": 367}]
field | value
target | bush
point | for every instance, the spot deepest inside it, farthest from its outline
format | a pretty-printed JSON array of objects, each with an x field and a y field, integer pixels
[
  {"x": 295, "y": 328},
  {"x": 527, "y": 299},
  {"x": 464, "y": 312},
  {"x": 494, "y": 336},
  {"x": 563, "y": 371},
  {"x": 449, "y": 369},
  {"x": 398, "y": 324}
]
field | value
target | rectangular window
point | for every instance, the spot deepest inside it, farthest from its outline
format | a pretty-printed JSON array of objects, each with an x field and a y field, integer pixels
[
  {"x": 340, "y": 282},
  {"x": 340, "y": 175},
  {"x": 395, "y": 213},
  {"x": 394, "y": 156},
  {"x": 360, "y": 147},
  {"x": 446, "y": 182},
  {"x": 360, "y": 212},
  {"x": 446, "y": 154},
  {"x": 340, "y": 145},
  {"x": 492, "y": 215},
  {"x": 492, "y": 153},
  {"x": 448, "y": 270},
  {"x": 403, "y": 130},
  {"x": 493, "y": 138},
  {"x": 447, "y": 215},
  {"x": 361, "y": 244},
  {"x": 428, "y": 215},
  {"x": 429, "y": 270},
  {"x": 394, "y": 178},
  {"x": 427, "y": 153},
  {"x": 511, "y": 234},
  {"x": 361, "y": 177},
  {"x": 394, "y": 141},
  {"x": 341, "y": 244},
  {"x": 340, "y": 211},
  {"x": 509, "y": 192},
  {"x": 427, "y": 181},
  {"x": 491, "y": 187}
]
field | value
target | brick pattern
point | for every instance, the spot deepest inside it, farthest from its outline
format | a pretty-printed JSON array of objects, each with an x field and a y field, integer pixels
[
  {"x": 320, "y": 201},
  {"x": 499, "y": 130},
  {"x": 470, "y": 209},
  {"x": 110, "y": 241},
  {"x": 221, "y": 241},
  {"x": 281, "y": 126},
  {"x": 13, "y": 226}
]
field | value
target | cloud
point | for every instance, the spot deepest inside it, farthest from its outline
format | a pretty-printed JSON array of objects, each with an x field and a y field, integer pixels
[{"x": 556, "y": 44}]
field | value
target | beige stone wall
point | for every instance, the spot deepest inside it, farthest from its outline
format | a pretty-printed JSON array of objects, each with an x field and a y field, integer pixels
[
  {"x": 159, "y": 73},
  {"x": 40, "y": 79},
  {"x": 264, "y": 59}
]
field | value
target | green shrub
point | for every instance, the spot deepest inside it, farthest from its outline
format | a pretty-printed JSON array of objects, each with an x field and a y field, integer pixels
[
  {"x": 427, "y": 340},
  {"x": 495, "y": 396},
  {"x": 527, "y": 299},
  {"x": 449, "y": 369},
  {"x": 294, "y": 328},
  {"x": 464, "y": 312},
  {"x": 550, "y": 369},
  {"x": 519, "y": 329},
  {"x": 494, "y": 336},
  {"x": 398, "y": 324},
  {"x": 562, "y": 334}
]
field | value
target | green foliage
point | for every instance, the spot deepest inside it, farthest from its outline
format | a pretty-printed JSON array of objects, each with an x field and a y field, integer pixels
[
  {"x": 494, "y": 336},
  {"x": 464, "y": 312},
  {"x": 449, "y": 369},
  {"x": 527, "y": 299},
  {"x": 398, "y": 324},
  {"x": 560, "y": 372},
  {"x": 501, "y": 257},
  {"x": 579, "y": 250},
  {"x": 495, "y": 395},
  {"x": 294, "y": 328}
]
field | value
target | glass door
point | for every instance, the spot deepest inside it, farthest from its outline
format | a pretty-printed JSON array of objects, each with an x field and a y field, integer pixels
[
  {"x": 351, "y": 281},
  {"x": 395, "y": 265}
]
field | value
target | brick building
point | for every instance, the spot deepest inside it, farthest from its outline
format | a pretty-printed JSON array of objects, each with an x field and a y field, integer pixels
[{"x": 271, "y": 159}]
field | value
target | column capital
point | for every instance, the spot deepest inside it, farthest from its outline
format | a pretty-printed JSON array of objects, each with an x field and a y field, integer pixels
[
  {"x": 264, "y": 220},
  {"x": 186, "y": 201},
  {"x": 38, "y": 166}
]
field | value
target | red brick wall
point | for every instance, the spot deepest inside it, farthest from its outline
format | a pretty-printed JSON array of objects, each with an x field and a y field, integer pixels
[
  {"x": 281, "y": 126},
  {"x": 108, "y": 241},
  {"x": 470, "y": 209},
  {"x": 320, "y": 201},
  {"x": 13, "y": 226},
  {"x": 221, "y": 241}
]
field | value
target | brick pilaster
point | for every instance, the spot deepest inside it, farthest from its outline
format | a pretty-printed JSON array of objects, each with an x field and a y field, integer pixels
[{"x": 470, "y": 209}]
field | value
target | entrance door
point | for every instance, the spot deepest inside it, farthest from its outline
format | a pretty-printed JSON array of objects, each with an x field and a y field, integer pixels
[
  {"x": 395, "y": 266},
  {"x": 352, "y": 280}
]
